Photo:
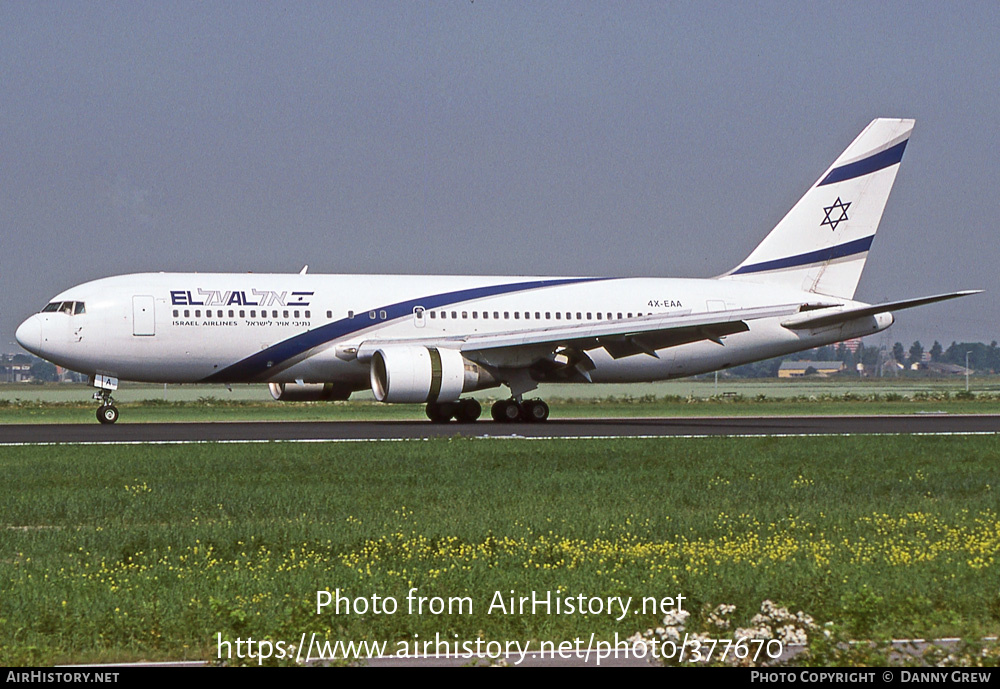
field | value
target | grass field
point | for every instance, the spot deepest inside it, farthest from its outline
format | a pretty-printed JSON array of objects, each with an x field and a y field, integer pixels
[
  {"x": 145, "y": 403},
  {"x": 151, "y": 551},
  {"x": 702, "y": 387}
]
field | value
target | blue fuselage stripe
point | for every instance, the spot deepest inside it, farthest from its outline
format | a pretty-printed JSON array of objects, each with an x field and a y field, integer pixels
[
  {"x": 884, "y": 159},
  {"x": 858, "y": 246},
  {"x": 257, "y": 365}
]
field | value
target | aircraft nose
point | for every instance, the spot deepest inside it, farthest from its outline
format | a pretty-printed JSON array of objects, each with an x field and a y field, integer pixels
[{"x": 29, "y": 335}]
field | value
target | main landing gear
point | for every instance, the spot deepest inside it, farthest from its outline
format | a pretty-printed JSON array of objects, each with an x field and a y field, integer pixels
[
  {"x": 510, "y": 411},
  {"x": 107, "y": 413},
  {"x": 504, "y": 411},
  {"x": 463, "y": 411}
]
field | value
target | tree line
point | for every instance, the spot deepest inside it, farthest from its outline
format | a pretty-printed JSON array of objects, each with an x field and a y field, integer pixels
[{"x": 983, "y": 358}]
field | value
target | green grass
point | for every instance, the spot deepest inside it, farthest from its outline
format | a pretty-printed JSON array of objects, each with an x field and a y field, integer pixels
[
  {"x": 216, "y": 409},
  {"x": 64, "y": 403},
  {"x": 150, "y": 551}
]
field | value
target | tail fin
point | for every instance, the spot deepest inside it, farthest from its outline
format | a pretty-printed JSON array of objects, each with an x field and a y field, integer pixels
[{"x": 822, "y": 243}]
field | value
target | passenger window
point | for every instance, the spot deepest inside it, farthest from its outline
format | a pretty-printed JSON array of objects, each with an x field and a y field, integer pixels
[
  {"x": 444, "y": 314},
  {"x": 433, "y": 314},
  {"x": 506, "y": 315},
  {"x": 350, "y": 314},
  {"x": 187, "y": 313},
  {"x": 619, "y": 315},
  {"x": 527, "y": 315},
  {"x": 496, "y": 315},
  {"x": 589, "y": 316},
  {"x": 243, "y": 314},
  {"x": 548, "y": 315},
  {"x": 284, "y": 314},
  {"x": 231, "y": 313},
  {"x": 465, "y": 314},
  {"x": 295, "y": 314},
  {"x": 630, "y": 315},
  {"x": 486, "y": 314},
  {"x": 598, "y": 315},
  {"x": 454, "y": 314},
  {"x": 197, "y": 313},
  {"x": 558, "y": 316},
  {"x": 175, "y": 313},
  {"x": 537, "y": 315},
  {"x": 579, "y": 316},
  {"x": 371, "y": 315},
  {"x": 307, "y": 315},
  {"x": 253, "y": 313},
  {"x": 382, "y": 315},
  {"x": 517, "y": 315},
  {"x": 569, "y": 316},
  {"x": 475, "y": 315}
]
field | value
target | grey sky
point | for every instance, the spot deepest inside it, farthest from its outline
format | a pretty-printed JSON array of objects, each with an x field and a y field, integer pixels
[{"x": 576, "y": 138}]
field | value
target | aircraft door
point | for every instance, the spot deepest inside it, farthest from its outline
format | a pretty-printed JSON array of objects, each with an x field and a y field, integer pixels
[
  {"x": 418, "y": 316},
  {"x": 143, "y": 321}
]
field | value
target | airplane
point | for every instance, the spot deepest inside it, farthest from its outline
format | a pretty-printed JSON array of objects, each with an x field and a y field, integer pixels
[{"x": 432, "y": 339}]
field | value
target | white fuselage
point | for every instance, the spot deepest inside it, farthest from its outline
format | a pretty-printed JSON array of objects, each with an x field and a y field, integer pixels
[{"x": 242, "y": 328}]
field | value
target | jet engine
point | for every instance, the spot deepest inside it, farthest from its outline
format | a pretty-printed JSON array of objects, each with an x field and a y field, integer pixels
[
  {"x": 425, "y": 374},
  {"x": 309, "y": 392}
]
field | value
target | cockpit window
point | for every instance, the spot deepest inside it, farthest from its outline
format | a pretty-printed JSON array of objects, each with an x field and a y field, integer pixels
[{"x": 70, "y": 308}]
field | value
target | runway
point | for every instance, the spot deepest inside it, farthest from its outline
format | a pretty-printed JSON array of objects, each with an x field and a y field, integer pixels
[{"x": 353, "y": 431}]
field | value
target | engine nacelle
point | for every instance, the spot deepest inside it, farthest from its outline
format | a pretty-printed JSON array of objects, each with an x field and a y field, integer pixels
[
  {"x": 425, "y": 374},
  {"x": 309, "y": 392}
]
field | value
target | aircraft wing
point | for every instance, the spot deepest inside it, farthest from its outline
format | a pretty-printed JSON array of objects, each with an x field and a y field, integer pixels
[
  {"x": 818, "y": 320},
  {"x": 621, "y": 338}
]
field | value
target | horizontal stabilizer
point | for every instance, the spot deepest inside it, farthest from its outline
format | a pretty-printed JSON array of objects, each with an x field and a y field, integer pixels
[{"x": 813, "y": 319}]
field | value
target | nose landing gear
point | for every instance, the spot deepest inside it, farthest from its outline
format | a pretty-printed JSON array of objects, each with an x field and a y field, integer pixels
[{"x": 107, "y": 413}]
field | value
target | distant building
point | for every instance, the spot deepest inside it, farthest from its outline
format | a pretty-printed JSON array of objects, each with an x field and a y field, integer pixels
[
  {"x": 948, "y": 369},
  {"x": 852, "y": 345},
  {"x": 797, "y": 369},
  {"x": 892, "y": 365},
  {"x": 15, "y": 373}
]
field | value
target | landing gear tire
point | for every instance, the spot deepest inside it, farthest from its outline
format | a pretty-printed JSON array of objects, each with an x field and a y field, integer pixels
[
  {"x": 440, "y": 412},
  {"x": 107, "y": 413},
  {"x": 468, "y": 411},
  {"x": 535, "y": 411},
  {"x": 506, "y": 411},
  {"x": 509, "y": 411},
  {"x": 463, "y": 411}
]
